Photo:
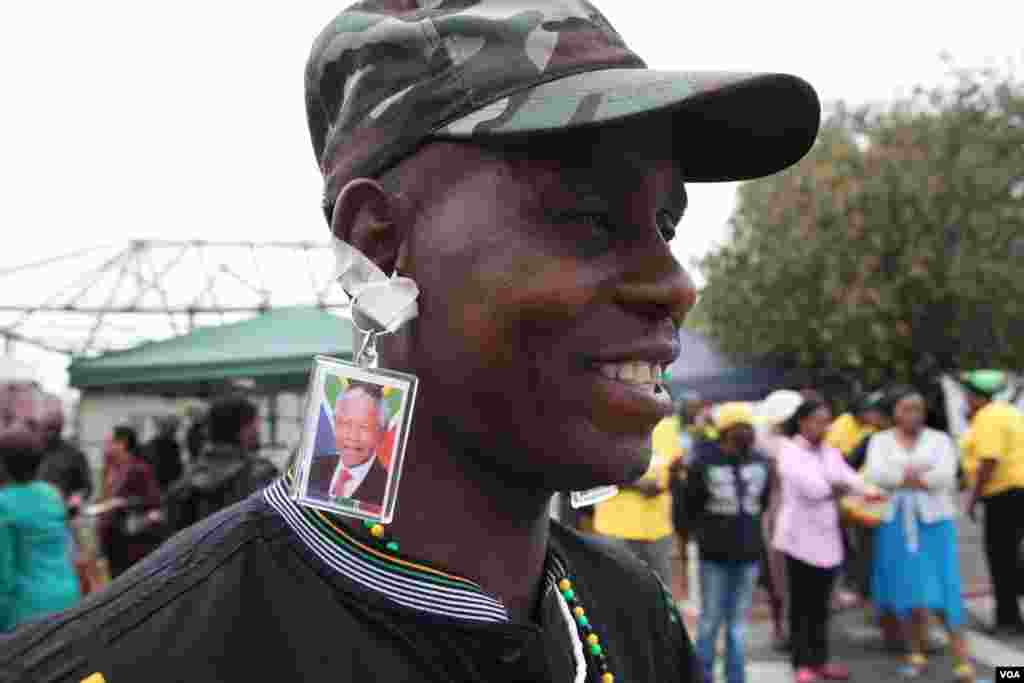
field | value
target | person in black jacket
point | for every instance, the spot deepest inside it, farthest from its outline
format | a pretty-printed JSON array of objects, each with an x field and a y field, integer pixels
[
  {"x": 164, "y": 453},
  {"x": 726, "y": 491},
  {"x": 226, "y": 471},
  {"x": 549, "y": 304},
  {"x": 63, "y": 465}
]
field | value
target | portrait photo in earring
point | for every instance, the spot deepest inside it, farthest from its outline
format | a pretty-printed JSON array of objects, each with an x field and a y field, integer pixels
[{"x": 354, "y": 432}]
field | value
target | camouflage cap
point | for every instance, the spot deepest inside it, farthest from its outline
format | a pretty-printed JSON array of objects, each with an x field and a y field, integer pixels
[{"x": 386, "y": 75}]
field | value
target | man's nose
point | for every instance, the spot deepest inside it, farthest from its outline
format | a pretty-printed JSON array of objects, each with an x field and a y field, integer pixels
[{"x": 658, "y": 287}]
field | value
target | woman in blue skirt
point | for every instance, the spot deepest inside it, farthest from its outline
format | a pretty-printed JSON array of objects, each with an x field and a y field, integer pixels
[{"x": 916, "y": 569}]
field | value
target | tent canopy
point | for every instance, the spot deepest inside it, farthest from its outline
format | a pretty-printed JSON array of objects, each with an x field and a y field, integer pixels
[
  {"x": 703, "y": 369},
  {"x": 272, "y": 350}
]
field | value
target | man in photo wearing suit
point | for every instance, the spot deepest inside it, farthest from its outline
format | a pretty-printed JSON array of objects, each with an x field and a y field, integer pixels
[{"x": 353, "y": 470}]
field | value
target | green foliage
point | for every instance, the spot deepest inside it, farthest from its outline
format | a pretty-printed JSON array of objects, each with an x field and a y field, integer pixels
[
  {"x": 697, "y": 320},
  {"x": 333, "y": 385},
  {"x": 892, "y": 249},
  {"x": 393, "y": 402}
]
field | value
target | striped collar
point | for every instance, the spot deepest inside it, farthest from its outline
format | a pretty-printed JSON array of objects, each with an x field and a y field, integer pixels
[{"x": 406, "y": 583}]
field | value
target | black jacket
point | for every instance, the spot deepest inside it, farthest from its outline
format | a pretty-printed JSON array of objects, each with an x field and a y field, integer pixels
[
  {"x": 240, "y": 598},
  {"x": 67, "y": 468},
  {"x": 222, "y": 476},
  {"x": 164, "y": 454},
  {"x": 723, "y": 501},
  {"x": 370, "y": 491}
]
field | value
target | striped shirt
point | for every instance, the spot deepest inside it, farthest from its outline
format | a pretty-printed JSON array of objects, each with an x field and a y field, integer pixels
[{"x": 402, "y": 581}]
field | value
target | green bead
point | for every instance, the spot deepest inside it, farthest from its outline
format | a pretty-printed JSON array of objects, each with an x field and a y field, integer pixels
[
  {"x": 392, "y": 546},
  {"x": 569, "y": 594},
  {"x": 595, "y": 649},
  {"x": 369, "y": 523},
  {"x": 582, "y": 621}
]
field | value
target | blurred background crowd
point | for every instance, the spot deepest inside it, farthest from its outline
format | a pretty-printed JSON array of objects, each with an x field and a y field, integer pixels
[
  {"x": 67, "y": 528},
  {"x": 819, "y": 511}
]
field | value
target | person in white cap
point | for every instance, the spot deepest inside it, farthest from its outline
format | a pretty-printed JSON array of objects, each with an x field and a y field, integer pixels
[{"x": 769, "y": 416}]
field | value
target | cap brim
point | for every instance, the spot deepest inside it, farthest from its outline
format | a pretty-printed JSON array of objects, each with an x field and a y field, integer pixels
[{"x": 729, "y": 126}]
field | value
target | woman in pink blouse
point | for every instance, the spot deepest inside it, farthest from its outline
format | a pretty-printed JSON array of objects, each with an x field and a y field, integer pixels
[{"x": 813, "y": 476}]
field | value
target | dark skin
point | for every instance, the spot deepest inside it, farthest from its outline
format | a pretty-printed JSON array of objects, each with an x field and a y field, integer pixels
[
  {"x": 813, "y": 428},
  {"x": 737, "y": 439},
  {"x": 535, "y": 263},
  {"x": 909, "y": 414},
  {"x": 872, "y": 417}
]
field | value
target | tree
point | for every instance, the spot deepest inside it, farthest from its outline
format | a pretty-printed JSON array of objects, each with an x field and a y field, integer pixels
[{"x": 892, "y": 250}]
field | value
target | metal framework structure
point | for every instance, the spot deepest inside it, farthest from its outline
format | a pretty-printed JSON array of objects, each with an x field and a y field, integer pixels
[{"x": 113, "y": 297}]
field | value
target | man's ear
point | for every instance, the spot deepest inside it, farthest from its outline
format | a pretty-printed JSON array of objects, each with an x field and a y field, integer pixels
[{"x": 368, "y": 217}]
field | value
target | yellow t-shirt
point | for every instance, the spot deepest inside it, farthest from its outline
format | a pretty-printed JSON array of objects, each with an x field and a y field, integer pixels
[
  {"x": 631, "y": 514},
  {"x": 846, "y": 433},
  {"x": 997, "y": 433}
]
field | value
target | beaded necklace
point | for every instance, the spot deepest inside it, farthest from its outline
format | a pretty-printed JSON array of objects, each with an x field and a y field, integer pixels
[{"x": 585, "y": 642}]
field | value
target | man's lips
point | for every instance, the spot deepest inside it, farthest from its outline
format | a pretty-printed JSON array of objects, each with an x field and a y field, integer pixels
[
  {"x": 655, "y": 351},
  {"x": 641, "y": 363},
  {"x": 628, "y": 382}
]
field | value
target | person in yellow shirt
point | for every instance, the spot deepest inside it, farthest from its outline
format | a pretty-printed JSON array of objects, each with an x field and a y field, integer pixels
[
  {"x": 993, "y": 461},
  {"x": 850, "y": 429},
  {"x": 641, "y": 515}
]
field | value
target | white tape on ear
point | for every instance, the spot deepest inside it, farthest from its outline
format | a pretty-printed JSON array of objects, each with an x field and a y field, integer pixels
[
  {"x": 381, "y": 302},
  {"x": 352, "y": 268},
  {"x": 389, "y": 304}
]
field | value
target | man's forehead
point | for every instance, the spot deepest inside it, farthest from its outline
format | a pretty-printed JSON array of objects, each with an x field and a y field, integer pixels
[{"x": 364, "y": 400}]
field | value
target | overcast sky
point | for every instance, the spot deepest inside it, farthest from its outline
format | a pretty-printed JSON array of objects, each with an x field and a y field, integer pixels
[{"x": 185, "y": 120}]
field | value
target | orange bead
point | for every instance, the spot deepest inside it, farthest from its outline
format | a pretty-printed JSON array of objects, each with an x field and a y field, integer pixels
[
  {"x": 607, "y": 677},
  {"x": 578, "y": 612},
  {"x": 377, "y": 530},
  {"x": 564, "y": 585},
  {"x": 592, "y": 639}
]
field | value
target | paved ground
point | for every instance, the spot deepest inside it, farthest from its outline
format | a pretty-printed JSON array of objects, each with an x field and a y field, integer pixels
[{"x": 858, "y": 643}]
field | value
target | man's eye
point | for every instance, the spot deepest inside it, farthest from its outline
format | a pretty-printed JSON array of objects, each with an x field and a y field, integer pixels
[{"x": 667, "y": 225}]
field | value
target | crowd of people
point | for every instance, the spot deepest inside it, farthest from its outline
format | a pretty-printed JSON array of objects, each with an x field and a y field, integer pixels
[
  {"x": 146, "y": 492},
  {"x": 775, "y": 491},
  {"x": 818, "y": 510}
]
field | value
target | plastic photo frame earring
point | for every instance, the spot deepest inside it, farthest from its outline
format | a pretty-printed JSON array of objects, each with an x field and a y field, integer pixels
[{"x": 355, "y": 428}]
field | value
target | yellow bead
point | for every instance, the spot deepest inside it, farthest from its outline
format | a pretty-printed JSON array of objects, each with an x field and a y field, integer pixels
[
  {"x": 608, "y": 678},
  {"x": 564, "y": 585},
  {"x": 578, "y": 612},
  {"x": 377, "y": 530},
  {"x": 592, "y": 639}
]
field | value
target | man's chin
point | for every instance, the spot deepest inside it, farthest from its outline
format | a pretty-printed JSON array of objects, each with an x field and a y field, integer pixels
[
  {"x": 616, "y": 465},
  {"x": 351, "y": 459}
]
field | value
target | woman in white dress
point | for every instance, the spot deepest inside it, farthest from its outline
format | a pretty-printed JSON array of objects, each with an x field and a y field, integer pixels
[{"x": 916, "y": 566}]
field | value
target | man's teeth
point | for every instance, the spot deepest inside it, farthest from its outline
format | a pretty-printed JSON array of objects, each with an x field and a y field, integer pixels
[{"x": 635, "y": 372}]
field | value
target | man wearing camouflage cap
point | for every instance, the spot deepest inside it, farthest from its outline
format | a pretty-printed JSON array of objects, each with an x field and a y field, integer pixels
[{"x": 518, "y": 162}]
